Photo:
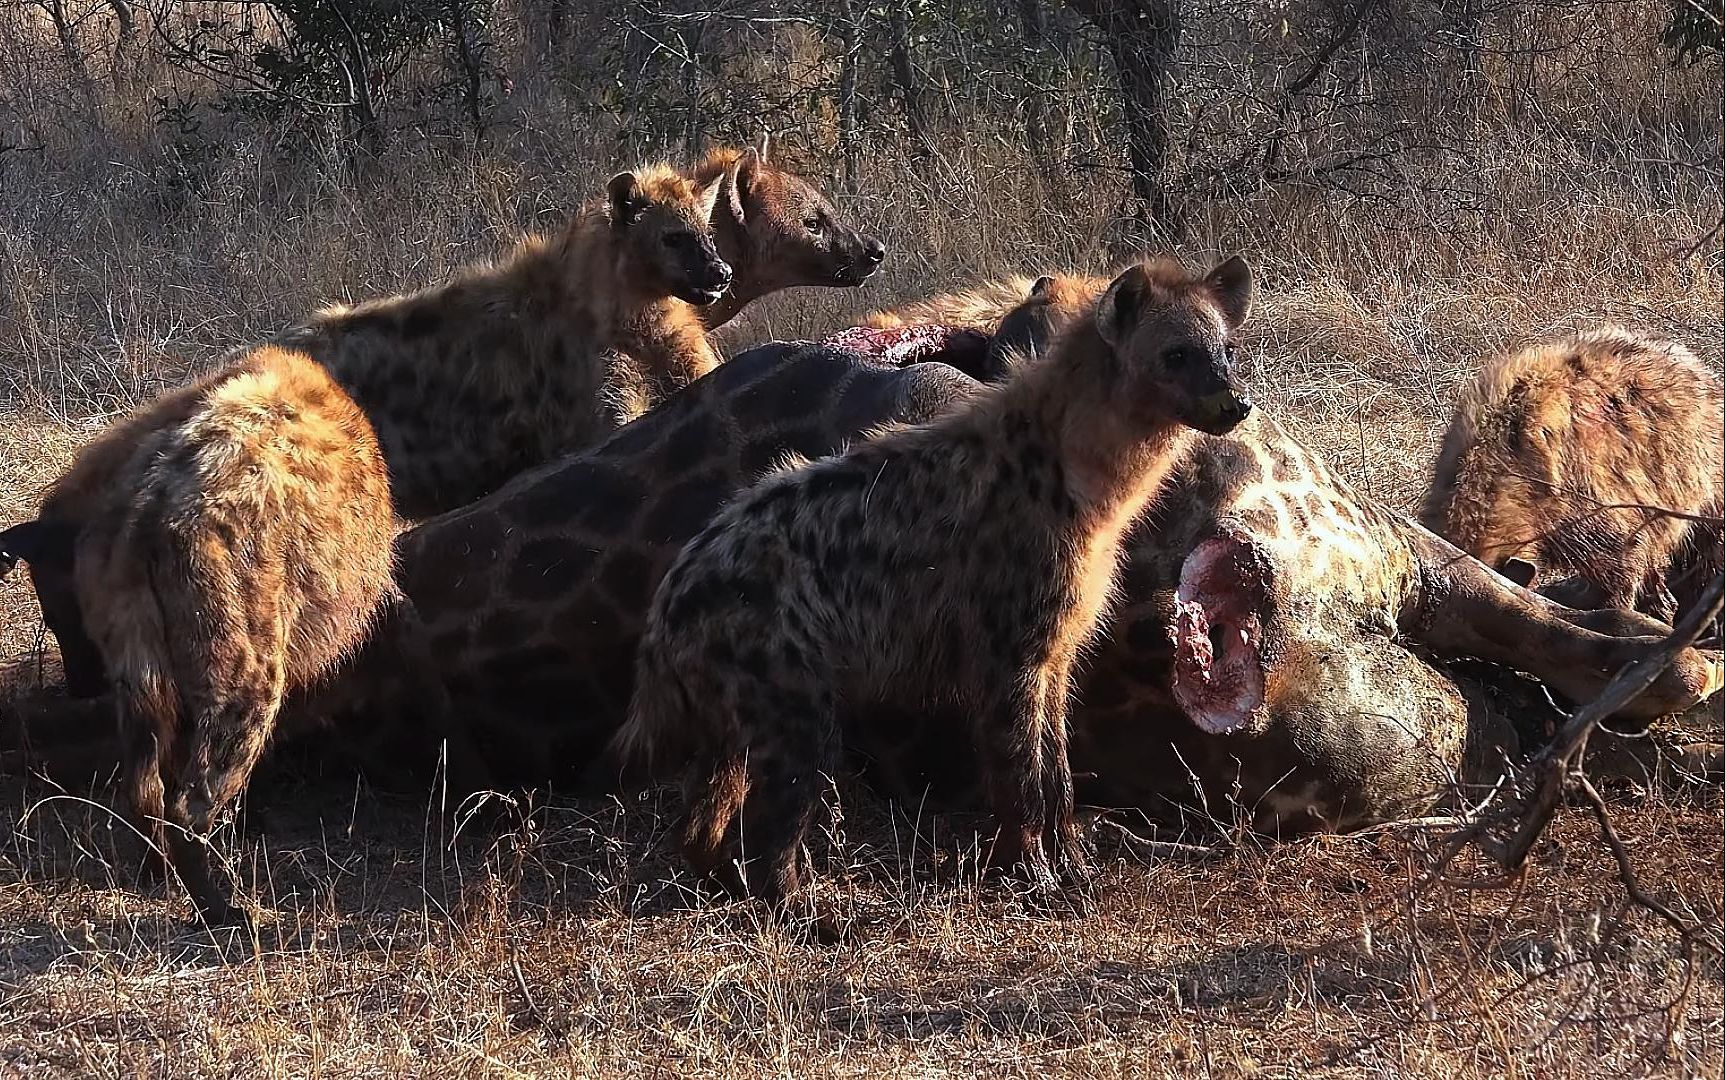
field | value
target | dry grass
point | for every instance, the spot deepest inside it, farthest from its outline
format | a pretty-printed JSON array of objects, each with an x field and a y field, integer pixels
[
  {"x": 572, "y": 947},
  {"x": 576, "y": 948}
]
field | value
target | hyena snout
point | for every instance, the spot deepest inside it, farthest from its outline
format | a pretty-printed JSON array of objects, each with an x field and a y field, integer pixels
[
  {"x": 705, "y": 280},
  {"x": 1219, "y": 400},
  {"x": 859, "y": 256}
]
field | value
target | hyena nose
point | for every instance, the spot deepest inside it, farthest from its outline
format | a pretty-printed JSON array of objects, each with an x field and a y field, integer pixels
[
  {"x": 874, "y": 251},
  {"x": 722, "y": 272},
  {"x": 1225, "y": 410}
]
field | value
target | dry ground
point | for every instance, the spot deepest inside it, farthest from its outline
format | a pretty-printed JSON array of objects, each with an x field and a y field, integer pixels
[
  {"x": 571, "y": 948},
  {"x": 574, "y": 946}
]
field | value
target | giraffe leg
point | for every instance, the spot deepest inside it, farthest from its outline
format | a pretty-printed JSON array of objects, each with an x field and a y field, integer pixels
[{"x": 1466, "y": 610}]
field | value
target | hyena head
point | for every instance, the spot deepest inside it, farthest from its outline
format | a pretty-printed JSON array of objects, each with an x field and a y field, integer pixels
[
  {"x": 1172, "y": 337},
  {"x": 1053, "y": 303},
  {"x": 788, "y": 231},
  {"x": 663, "y": 221}
]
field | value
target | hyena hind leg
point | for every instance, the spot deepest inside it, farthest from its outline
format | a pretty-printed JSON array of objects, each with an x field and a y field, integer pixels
[
  {"x": 231, "y": 729},
  {"x": 791, "y": 741},
  {"x": 713, "y": 794},
  {"x": 145, "y": 800}
]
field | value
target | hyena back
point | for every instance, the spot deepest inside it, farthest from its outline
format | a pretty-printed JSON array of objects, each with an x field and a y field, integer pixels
[{"x": 1562, "y": 457}]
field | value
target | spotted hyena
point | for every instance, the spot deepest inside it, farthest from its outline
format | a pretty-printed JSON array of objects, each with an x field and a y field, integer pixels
[
  {"x": 240, "y": 549},
  {"x": 778, "y": 231},
  {"x": 1563, "y": 456},
  {"x": 964, "y": 561}
]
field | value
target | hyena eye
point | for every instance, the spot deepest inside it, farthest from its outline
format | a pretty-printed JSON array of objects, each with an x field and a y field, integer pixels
[
  {"x": 813, "y": 224},
  {"x": 1176, "y": 358}
]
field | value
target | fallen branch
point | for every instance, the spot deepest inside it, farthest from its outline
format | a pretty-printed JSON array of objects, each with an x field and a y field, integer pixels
[
  {"x": 1530, "y": 805},
  {"x": 1561, "y": 760}
]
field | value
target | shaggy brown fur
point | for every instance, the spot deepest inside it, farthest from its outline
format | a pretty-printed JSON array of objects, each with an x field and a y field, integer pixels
[
  {"x": 238, "y": 546},
  {"x": 505, "y": 367},
  {"x": 967, "y": 561},
  {"x": 778, "y": 231},
  {"x": 980, "y": 306},
  {"x": 1558, "y": 452}
]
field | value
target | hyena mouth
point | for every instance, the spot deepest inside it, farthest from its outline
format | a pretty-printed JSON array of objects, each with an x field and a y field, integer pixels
[
  {"x": 703, "y": 297},
  {"x": 1218, "y": 634}
]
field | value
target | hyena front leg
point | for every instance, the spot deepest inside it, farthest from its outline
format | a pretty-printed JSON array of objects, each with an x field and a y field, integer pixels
[
  {"x": 1011, "y": 744},
  {"x": 1060, "y": 830}
]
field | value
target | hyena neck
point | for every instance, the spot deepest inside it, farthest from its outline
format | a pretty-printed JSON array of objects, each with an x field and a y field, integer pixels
[{"x": 1111, "y": 461}]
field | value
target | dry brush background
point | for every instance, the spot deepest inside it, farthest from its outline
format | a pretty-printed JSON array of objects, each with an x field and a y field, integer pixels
[{"x": 1420, "y": 183}]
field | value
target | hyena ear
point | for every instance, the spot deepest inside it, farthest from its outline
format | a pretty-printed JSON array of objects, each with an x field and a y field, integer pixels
[
  {"x": 1231, "y": 284},
  {"x": 1520, "y": 571},
  {"x": 707, "y": 198},
  {"x": 1122, "y": 305},
  {"x": 1040, "y": 287},
  {"x": 741, "y": 180},
  {"x": 628, "y": 201},
  {"x": 43, "y": 542}
]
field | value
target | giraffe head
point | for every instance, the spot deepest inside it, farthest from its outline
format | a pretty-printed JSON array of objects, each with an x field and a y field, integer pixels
[
  {"x": 662, "y": 220},
  {"x": 1175, "y": 335}
]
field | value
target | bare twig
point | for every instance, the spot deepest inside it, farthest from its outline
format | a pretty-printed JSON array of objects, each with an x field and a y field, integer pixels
[{"x": 1559, "y": 765}]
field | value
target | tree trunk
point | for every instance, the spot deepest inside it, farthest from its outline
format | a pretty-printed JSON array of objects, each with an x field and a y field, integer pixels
[
  {"x": 1033, "y": 22},
  {"x": 1142, "y": 36},
  {"x": 904, "y": 74},
  {"x": 1044, "y": 127},
  {"x": 468, "y": 50},
  {"x": 851, "y": 35},
  {"x": 125, "y": 32}
]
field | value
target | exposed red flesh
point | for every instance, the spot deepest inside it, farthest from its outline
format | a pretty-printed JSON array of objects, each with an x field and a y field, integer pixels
[
  {"x": 903, "y": 345},
  {"x": 1218, "y": 634}
]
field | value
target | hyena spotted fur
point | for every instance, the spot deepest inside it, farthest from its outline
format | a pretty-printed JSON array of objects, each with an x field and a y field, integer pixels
[
  {"x": 473, "y": 381},
  {"x": 772, "y": 228},
  {"x": 241, "y": 550},
  {"x": 963, "y": 562},
  {"x": 1562, "y": 457}
]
